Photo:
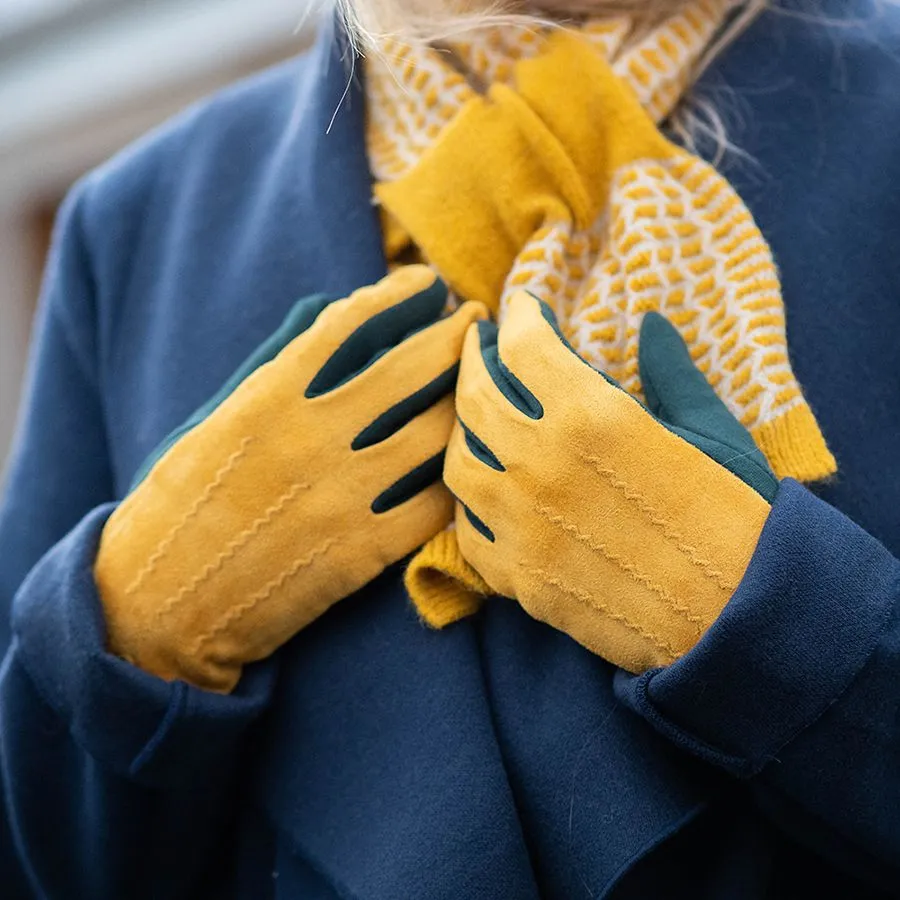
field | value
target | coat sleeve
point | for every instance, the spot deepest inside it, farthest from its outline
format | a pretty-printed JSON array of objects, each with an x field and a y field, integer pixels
[
  {"x": 796, "y": 687},
  {"x": 113, "y": 783}
]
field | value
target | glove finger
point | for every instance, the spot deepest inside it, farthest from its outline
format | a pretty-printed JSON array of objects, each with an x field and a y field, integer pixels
[
  {"x": 404, "y": 381},
  {"x": 400, "y": 414},
  {"x": 420, "y": 440},
  {"x": 481, "y": 402},
  {"x": 477, "y": 486},
  {"x": 351, "y": 333},
  {"x": 422, "y": 357},
  {"x": 416, "y": 519},
  {"x": 530, "y": 341},
  {"x": 535, "y": 352}
]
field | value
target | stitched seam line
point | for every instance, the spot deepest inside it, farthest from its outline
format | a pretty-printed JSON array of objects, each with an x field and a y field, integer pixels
[
  {"x": 236, "y": 613},
  {"x": 664, "y": 525},
  {"x": 231, "y": 549},
  {"x": 600, "y": 607},
  {"x": 630, "y": 569},
  {"x": 163, "y": 546}
]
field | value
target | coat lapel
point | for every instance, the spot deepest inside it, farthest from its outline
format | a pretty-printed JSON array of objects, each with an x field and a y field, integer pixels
[{"x": 329, "y": 125}]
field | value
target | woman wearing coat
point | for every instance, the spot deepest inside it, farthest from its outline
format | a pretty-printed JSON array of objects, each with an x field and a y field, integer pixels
[{"x": 528, "y": 532}]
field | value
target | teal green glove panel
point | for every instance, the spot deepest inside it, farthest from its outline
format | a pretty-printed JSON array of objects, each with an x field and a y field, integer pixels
[{"x": 679, "y": 395}]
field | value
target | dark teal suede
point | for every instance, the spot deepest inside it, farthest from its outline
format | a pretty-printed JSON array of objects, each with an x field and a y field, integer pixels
[
  {"x": 682, "y": 399},
  {"x": 479, "y": 525},
  {"x": 406, "y": 410},
  {"x": 507, "y": 383},
  {"x": 379, "y": 334},
  {"x": 414, "y": 482},
  {"x": 479, "y": 449}
]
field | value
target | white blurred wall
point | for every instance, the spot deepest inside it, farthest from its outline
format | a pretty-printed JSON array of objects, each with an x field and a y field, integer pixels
[
  {"x": 17, "y": 265},
  {"x": 78, "y": 80}
]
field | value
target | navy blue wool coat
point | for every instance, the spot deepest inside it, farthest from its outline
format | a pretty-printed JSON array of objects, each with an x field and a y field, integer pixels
[{"x": 371, "y": 758}]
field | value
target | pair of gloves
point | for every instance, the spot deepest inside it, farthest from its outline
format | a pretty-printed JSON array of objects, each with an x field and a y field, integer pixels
[{"x": 320, "y": 463}]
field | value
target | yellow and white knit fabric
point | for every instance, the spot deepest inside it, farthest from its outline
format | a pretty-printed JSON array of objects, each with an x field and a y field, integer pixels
[{"x": 668, "y": 232}]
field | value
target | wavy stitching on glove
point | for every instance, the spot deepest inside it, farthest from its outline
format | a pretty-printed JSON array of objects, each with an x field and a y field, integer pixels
[
  {"x": 238, "y": 612},
  {"x": 194, "y": 510},
  {"x": 630, "y": 569},
  {"x": 600, "y": 607},
  {"x": 231, "y": 549},
  {"x": 664, "y": 525}
]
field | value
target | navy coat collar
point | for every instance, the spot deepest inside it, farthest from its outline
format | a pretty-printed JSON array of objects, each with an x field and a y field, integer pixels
[{"x": 329, "y": 130}]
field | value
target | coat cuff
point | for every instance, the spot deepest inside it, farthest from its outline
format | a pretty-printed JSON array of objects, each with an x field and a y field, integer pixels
[
  {"x": 800, "y": 627},
  {"x": 155, "y": 732}
]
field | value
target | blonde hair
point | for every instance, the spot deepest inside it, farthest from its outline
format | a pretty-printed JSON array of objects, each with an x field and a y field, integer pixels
[
  {"x": 695, "y": 119},
  {"x": 432, "y": 21}
]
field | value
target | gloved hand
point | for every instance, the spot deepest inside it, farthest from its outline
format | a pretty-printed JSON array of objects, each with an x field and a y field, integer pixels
[
  {"x": 302, "y": 314},
  {"x": 627, "y": 529},
  {"x": 315, "y": 473}
]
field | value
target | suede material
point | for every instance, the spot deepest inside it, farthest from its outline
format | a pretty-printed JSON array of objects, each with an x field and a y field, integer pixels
[
  {"x": 445, "y": 587},
  {"x": 210, "y": 562},
  {"x": 587, "y": 525}
]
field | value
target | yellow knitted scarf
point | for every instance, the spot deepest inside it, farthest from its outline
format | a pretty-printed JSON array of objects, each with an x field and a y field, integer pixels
[{"x": 533, "y": 159}]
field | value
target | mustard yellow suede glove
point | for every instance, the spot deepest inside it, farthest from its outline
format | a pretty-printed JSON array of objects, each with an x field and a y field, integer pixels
[
  {"x": 578, "y": 502},
  {"x": 313, "y": 475}
]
